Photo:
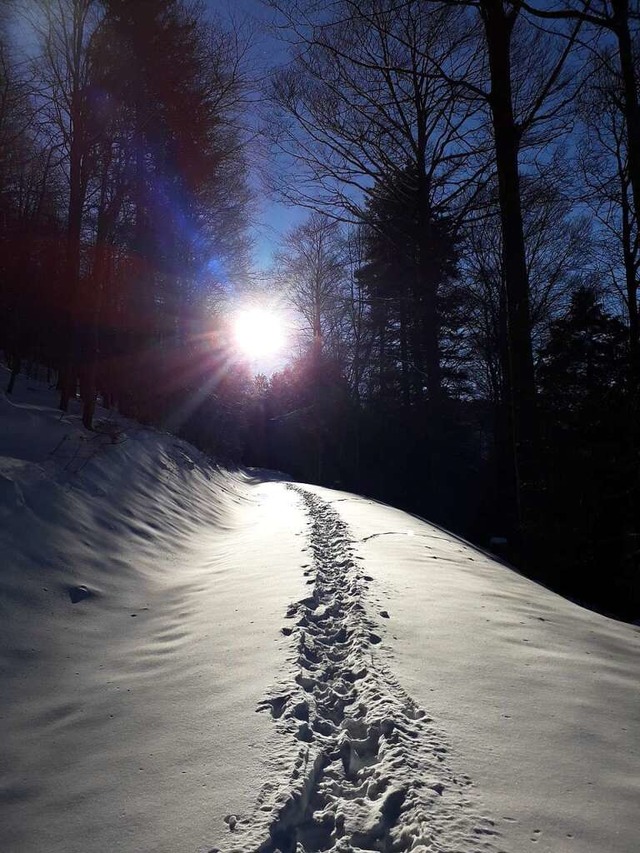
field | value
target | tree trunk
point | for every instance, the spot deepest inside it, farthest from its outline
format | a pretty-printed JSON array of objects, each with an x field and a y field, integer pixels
[
  {"x": 632, "y": 116},
  {"x": 74, "y": 223},
  {"x": 382, "y": 361},
  {"x": 431, "y": 342},
  {"x": 630, "y": 88},
  {"x": 428, "y": 284},
  {"x": 404, "y": 355},
  {"x": 632, "y": 289},
  {"x": 93, "y": 309},
  {"x": 88, "y": 394},
  {"x": 522, "y": 397}
]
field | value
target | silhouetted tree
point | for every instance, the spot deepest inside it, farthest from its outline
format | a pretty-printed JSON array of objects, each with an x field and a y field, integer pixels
[
  {"x": 409, "y": 312},
  {"x": 618, "y": 22},
  {"x": 308, "y": 410},
  {"x": 66, "y": 28},
  {"x": 311, "y": 267},
  {"x": 590, "y": 463},
  {"x": 177, "y": 82},
  {"x": 604, "y": 163},
  {"x": 363, "y": 101}
]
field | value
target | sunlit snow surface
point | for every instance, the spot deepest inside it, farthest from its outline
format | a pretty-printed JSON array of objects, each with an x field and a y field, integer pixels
[{"x": 255, "y": 663}]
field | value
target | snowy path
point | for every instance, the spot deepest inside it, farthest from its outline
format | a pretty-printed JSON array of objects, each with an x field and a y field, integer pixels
[
  {"x": 370, "y": 767},
  {"x": 538, "y": 697},
  {"x": 416, "y": 696}
]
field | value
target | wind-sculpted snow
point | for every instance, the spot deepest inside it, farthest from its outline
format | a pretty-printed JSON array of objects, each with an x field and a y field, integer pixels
[
  {"x": 142, "y": 596},
  {"x": 370, "y": 770}
]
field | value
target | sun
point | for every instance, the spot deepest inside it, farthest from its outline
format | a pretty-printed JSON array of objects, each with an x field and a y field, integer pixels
[{"x": 259, "y": 332}]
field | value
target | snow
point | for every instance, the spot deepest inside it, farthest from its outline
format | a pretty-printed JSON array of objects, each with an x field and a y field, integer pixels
[
  {"x": 256, "y": 663},
  {"x": 538, "y": 697},
  {"x": 122, "y": 731}
]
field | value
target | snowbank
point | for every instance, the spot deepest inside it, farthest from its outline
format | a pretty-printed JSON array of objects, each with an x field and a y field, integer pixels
[
  {"x": 128, "y": 718},
  {"x": 538, "y": 697},
  {"x": 195, "y": 659}
]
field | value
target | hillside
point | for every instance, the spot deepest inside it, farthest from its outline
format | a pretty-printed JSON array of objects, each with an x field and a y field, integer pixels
[{"x": 194, "y": 658}]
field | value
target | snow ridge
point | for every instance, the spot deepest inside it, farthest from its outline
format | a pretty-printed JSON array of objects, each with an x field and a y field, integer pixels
[{"x": 370, "y": 771}]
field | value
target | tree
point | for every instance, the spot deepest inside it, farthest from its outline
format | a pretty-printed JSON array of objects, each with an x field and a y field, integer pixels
[
  {"x": 617, "y": 21},
  {"x": 604, "y": 165},
  {"x": 177, "y": 82},
  {"x": 310, "y": 267},
  {"x": 29, "y": 223},
  {"x": 589, "y": 458},
  {"x": 309, "y": 418},
  {"x": 136, "y": 143},
  {"x": 444, "y": 86},
  {"x": 408, "y": 313},
  {"x": 558, "y": 254},
  {"x": 583, "y": 363},
  {"x": 66, "y": 28},
  {"x": 518, "y": 107},
  {"x": 363, "y": 104}
]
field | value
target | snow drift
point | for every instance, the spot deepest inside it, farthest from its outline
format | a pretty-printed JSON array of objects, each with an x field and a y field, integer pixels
[{"x": 197, "y": 659}]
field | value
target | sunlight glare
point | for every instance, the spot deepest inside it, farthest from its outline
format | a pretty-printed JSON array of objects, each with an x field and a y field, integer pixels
[{"x": 259, "y": 332}]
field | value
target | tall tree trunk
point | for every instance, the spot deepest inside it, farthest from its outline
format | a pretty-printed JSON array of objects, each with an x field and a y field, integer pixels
[
  {"x": 428, "y": 283},
  {"x": 431, "y": 342},
  {"x": 404, "y": 355},
  {"x": 632, "y": 289},
  {"x": 93, "y": 308},
  {"x": 632, "y": 116},
  {"x": 382, "y": 360},
  {"x": 522, "y": 397},
  {"x": 75, "y": 59},
  {"x": 74, "y": 227},
  {"x": 630, "y": 90}
]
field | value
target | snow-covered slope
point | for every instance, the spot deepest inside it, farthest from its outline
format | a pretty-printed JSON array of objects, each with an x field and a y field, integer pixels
[{"x": 193, "y": 658}]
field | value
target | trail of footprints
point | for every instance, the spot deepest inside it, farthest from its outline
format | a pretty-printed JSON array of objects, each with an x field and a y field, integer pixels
[{"x": 371, "y": 770}]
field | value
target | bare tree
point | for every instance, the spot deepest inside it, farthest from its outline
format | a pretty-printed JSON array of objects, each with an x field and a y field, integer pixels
[
  {"x": 603, "y": 157},
  {"x": 381, "y": 84},
  {"x": 66, "y": 29},
  {"x": 559, "y": 256},
  {"x": 618, "y": 21},
  {"x": 362, "y": 104},
  {"x": 28, "y": 196},
  {"x": 311, "y": 269}
]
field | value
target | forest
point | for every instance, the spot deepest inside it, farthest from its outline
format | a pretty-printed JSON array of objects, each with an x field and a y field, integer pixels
[{"x": 463, "y": 269}]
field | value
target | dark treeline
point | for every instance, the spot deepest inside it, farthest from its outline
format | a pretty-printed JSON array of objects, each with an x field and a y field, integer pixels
[
  {"x": 466, "y": 279},
  {"x": 123, "y": 195}
]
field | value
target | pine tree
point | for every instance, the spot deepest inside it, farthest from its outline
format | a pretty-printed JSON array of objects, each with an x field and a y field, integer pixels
[
  {"x": 409, "y": 267},
  {"x": 591, "y": 469}
]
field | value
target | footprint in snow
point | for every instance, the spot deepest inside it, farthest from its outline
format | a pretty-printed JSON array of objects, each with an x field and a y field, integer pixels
[
  {"x": 231, "y": 820},
  {"x": 360, "y": 740},
  {"x": 79, "y": 593}
]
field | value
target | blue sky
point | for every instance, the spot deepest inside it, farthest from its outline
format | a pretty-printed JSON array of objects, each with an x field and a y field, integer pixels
[{"x": 272, "y": 218}]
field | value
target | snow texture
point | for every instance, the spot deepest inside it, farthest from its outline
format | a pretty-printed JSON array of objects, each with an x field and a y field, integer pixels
[
  {"x": 194, "y": 659},
  {"x": 370, "y": 770}
]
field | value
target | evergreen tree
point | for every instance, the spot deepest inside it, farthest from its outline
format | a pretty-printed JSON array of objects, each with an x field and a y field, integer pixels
[
  {"x": 591, "y": 500},
  {"x": 411, "y": 312}
]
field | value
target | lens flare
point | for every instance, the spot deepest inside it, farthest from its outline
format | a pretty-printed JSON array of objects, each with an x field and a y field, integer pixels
[{"x": 259, "y": 332}]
